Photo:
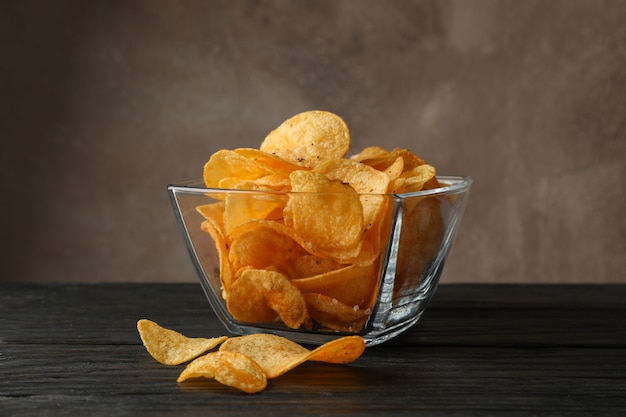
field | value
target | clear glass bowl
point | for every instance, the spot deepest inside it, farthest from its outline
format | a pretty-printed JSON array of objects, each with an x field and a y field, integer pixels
[{"x": 416, "y": 241}]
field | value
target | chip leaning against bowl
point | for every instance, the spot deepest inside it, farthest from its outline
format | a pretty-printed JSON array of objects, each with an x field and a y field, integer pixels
[{"x": 310, "y": 254}]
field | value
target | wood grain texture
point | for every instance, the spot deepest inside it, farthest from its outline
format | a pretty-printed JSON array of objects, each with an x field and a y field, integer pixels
[{"x": 502, "y": 350}]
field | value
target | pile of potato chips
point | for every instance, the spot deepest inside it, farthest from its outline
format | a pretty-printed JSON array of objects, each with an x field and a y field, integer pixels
[
  {"x": 243, "y": 362},
  {"x": 300, "y": 229}
]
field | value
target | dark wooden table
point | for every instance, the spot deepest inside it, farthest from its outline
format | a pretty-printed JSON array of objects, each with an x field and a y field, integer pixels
[{"x": 480, "y": 350}]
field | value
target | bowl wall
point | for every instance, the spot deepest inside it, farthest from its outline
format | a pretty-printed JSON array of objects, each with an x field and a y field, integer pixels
[{"x": 415, "y": 242}]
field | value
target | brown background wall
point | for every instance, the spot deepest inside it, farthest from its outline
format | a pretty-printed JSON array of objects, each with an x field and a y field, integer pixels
[{"x": 103, "y": 103}]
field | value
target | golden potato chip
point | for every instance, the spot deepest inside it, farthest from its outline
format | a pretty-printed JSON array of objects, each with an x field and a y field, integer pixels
[
  {"x": 222, "y": 251},
  {"x": 342, "y": 350},
  {"x": 310, "y": 265},
  {"x": 256, "y": 293},
  {"x": 325, "y": 309},
  {"x": 170, "y": 347},
  {"x": 394, "y": 170},
  {"x": 227, "y": 163},
  {"x": 351, "y": 285},
  {"x": 276, "y": 355},
  {"x": 382, "y": 163},
  {"x": 363, "y": 178},
  {"x": 377, "y": 213},
  {"x": 279, "y": 227},
  {"x": 270, "y": 182},
  {"x": 279, "y": 166},
  {"x": 433, "y": 183},
  {"x": 414, "y": 179},
  {"x": 214, "y": 213},
  {"x": 308, "y": 138},
  {"x": 327, "y": 215},
  {"x": 230, "y": 368},
  {"x": 371, "y": 185},
  {"x": 242, "y": 207},
  {"x": 261, "y": 246},
  {"x": 370, "y": 152},
  {"x": 246, "y": 301}
]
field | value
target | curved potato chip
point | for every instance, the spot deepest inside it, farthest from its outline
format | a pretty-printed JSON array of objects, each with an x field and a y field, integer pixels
[
  {"x": 246, "y": 301},
  {"x": 276, "y": 355},
  {"x": 370, "y": 152},
  {"x": 343, "y": 350},
  {"x": 222, "y": 251},
  {"x": 327, "y": 215},
  {"x": 214, "y": 213},
  {"x": 230, "y": 368},
  {"x": 258, "y": 294},
  {"x": 271, "y": 162},
  {"x": 226, "y": 163},
  {"x": 310, "y": 265},
  {"x": 352, "y": 284},
  {"x": 308, "y": 138},
  {"x": 170, "y": 347},
  {"x": 327, "y": 309},
  {"x": 394, "y": 170},
  {"x": 377, "y": 215},
  {"x": 382, "y": 163},
  {"x": 363, "y": 178},
  {"x": 414, "y": 179},
  {"x": 244, "y": 206},
  {"x": 261, "y": 246},
  {"x": 270, "y": 182}
]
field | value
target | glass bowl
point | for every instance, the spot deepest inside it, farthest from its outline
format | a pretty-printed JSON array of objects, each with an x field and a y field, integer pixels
[{"x": 414, "y": 243}]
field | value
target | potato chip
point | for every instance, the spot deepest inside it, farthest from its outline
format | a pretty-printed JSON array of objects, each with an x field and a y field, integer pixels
[
  {"x": 310, "y": 265},
  {"x": 363, "y": 178},
  {"x": 279, "y": 166},
  {"x": 327, "y": 215},
  {"x": 309, "y": 138},
  {"x": 270, "y": 182},
  {"x": 334, "y": 314},
  {"x": 261, "y": 246},
  {"x": 246, "y": 301},
  {"x": 370, "y": 152},
  {"x": 342, "y": 350},
  {"x": 222, "y": 252},
  {"x": 276, "y": 355},
  {"x": 377, "y": 213},
  {"x": 434, "y": 183},
  {"x": 351, "y": 285},
  {"x": 227, "y": 163},
  {"x": 394, "y": 170},
  {"x": 371, "y": 184},
  {"x": 382, "y": 163},
  {"x": 257, "y": 295},
  {"x": 241, "y": 207},
  {"x": 230, "y": 368},
  {"x": 414, "y": 179},
  {"x": 170, "y": 347}
]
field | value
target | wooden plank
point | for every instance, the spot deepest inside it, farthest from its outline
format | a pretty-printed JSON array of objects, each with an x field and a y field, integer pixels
[
  {"x": 398, "y": 381},
  {"x": 479, "y": 350},
  {"x": 461, "y": 315}
]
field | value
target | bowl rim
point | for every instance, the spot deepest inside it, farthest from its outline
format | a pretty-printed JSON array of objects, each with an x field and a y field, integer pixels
[{"x": 453, "y": 184}]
